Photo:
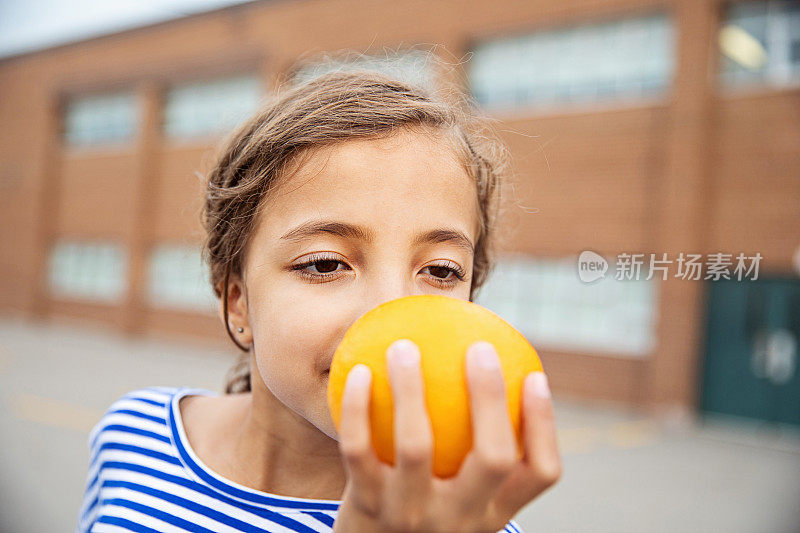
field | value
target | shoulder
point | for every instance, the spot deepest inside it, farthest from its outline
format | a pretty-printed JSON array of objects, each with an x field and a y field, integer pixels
[
  {"x": 512, "y": 527},
  {"x": 141, "y": 411},
  {"x": 154, "y": 400},
  {"x": 132, "y": 438}
]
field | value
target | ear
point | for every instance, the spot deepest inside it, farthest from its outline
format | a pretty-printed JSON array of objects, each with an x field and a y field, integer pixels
[{"x": 237, "y": 310}]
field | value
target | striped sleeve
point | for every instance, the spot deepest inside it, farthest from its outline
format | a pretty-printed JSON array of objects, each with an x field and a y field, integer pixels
[
  {"x": 512, "y": 527},
  {"x": 89, "y": 506}
]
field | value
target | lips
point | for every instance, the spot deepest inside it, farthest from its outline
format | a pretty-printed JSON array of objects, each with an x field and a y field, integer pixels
[{"x": 328, "y": 363}]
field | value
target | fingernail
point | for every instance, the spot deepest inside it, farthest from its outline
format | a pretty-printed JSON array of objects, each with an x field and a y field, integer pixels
[
  {"x": 485, "y": 355},
  {"x": 359, "y": 376},
  {"x": 404, "y": 353},
  {"x": 536, "y": 382}
]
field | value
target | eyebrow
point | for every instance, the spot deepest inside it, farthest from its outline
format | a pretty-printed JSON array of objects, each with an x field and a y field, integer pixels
[{"x": 350, "y": 231}]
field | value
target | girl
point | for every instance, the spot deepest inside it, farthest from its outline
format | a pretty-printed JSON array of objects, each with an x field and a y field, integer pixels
[{"x": 340, "y": 194}]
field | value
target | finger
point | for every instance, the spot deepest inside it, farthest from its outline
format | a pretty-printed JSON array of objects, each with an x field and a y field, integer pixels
[
  {"x": 542, "y": 460},
  {"x": 413, "y": 438},
  {"x": 539, "y": 426},
  {"x": 355, "y": 437},
  {"x": 494, "y": 451}
]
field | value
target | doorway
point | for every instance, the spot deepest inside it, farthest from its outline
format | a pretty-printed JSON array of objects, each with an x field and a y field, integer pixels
[{"x": 752, "y": 333}]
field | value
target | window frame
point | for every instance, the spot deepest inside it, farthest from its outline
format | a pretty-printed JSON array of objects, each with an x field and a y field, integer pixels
[
  {"x": 783, "y": 77},
  {"x": 207, "y": 135},
  {"x": 555, "y": 31},
  {"x": 126, "y": 142}
]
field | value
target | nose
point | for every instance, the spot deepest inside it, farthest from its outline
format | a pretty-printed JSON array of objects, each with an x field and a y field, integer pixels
[{"x": 386, "y": 290}]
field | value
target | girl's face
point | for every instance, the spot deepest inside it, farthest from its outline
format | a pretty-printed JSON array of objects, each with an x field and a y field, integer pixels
[{"x": 357, "y": 224}]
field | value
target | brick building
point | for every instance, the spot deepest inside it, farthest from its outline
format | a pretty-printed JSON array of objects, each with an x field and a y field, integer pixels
[{"x": 636, "y": 127}]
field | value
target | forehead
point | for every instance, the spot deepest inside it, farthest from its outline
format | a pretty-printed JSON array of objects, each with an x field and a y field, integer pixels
[{"x": 407, "y": 181}]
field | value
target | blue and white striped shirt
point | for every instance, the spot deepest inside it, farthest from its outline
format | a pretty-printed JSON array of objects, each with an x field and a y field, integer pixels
[{"x": 143, "y": 476}]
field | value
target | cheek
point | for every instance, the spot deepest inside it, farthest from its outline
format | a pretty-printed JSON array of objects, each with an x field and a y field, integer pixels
[
  {"x": 290, "y": 346},
  {"x": 294, "y": 319},
  {"x": 284, "y": 345},
  {"x": 291, "y": 336}
]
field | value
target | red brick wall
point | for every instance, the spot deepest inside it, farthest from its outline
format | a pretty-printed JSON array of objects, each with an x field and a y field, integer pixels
[{"x": 699, "y": 170}]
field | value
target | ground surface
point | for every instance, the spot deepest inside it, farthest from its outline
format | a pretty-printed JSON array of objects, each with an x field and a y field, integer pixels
[{"x": 623, "y": 471}]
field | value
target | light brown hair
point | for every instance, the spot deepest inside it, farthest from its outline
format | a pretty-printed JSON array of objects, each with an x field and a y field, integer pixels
[{"x": 348, "y": 103}]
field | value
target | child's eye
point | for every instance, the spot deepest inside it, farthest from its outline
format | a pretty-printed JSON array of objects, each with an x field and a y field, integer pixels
[
  {"x": 326, "y": 267},
  {"x": 440, "y": 274}
]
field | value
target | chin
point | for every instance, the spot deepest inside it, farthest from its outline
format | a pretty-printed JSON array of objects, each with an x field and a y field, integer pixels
[
  {"x": 329, "y": 429},
  {"x": 325, "y": 422}
]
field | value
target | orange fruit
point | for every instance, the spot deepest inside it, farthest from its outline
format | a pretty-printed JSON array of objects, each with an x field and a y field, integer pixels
[{"x": 443, "y": 328}]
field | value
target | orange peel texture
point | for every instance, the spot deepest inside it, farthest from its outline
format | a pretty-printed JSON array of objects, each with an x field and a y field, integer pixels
[{"x": 443, "y": 328}]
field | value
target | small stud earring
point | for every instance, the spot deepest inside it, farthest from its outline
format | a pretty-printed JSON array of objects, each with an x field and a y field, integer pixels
[{"x": 240, "y": 330}]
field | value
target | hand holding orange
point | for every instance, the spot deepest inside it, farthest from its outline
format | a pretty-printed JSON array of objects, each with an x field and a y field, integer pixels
[{"x": 443, "y": 328}]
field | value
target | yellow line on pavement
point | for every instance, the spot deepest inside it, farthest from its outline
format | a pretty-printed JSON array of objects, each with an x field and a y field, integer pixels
[
  {"x": 572, "y": 441},
  {"x": 54, "y": 413},
  {"x": 632, "y": 434},
  {"x": 580, "y": 440},
  {"x": 625, "y": 435}
]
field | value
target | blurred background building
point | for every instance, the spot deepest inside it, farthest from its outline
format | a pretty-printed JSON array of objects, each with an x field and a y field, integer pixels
[{"x": 636, "y": 127}]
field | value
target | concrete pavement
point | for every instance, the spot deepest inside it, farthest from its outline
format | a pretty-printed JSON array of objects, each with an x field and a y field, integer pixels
[{"x": 623, "y": 471}]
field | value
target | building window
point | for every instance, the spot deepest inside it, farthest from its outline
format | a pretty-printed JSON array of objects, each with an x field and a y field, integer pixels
[
  {"x": 210, "y": 107},
  {"x": 546, "y": 301},
  {"x": 95, "y": 272},
  {"x": 411, "y": 66},
  {"x": 178, "y": 279},
  {"x": 760, "y": 43},
  {"x": 629, "y": 58},
  {"x": 100, "y": 119}
]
